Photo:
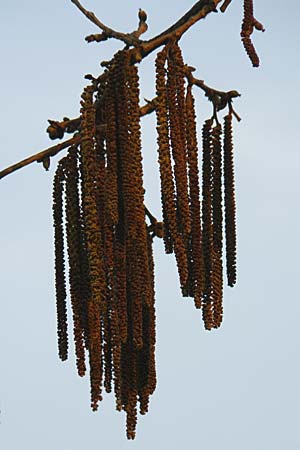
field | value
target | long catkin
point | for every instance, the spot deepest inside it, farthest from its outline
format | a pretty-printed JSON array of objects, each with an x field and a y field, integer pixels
[
  {"x": 207, "y": 224},
  {"x": 166, "y": 173},
  {"x": 60, "y": 281},
  {"x": 74, "y": 243},
  {"x": 197, "y": 264},
  {"x": 93, "y": 242},
  {"x": 230, "y": 208},
  {"x": 217, "y": 217}
]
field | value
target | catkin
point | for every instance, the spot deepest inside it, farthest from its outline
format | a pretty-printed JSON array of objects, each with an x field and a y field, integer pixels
[
  {"x": 60, "y": 282},
  {"x": 207, "y": 225},
  {"x": 93, "y": 241},
  {"x": 217, "y": 217},
  {"x": 229, "y": 196},
  {"x": 166, "y": 174},
  {"x": 73, "y": 231},
  {"x": 196, "y": 263},
  {"x": 176, "y": 118},
  {"x": 247, "y": 30}
]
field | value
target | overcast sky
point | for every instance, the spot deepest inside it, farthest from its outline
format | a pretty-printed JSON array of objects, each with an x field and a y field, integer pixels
[{"x": 236, "y": 388}]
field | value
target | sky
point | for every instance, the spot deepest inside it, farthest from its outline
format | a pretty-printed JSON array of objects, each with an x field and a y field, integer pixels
[{"x": 233, "y": 388}]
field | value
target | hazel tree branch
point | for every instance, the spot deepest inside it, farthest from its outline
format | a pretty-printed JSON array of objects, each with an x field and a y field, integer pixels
[
  {"x": 141, "y": 49},
  {"x": 56, "y": 130},
  {"x": 127, "y": 38},
  {"x": 39, "y": 157}
]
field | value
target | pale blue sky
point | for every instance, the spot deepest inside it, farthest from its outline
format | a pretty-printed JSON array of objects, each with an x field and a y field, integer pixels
[{"x": 236, "y": 388}]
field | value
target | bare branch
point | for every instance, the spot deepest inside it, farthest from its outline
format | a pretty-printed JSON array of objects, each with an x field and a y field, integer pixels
[
  {"x": 199, "y": 11},
  {"x": 127, "y": 38},
  {"x": 39, "y": 157}
]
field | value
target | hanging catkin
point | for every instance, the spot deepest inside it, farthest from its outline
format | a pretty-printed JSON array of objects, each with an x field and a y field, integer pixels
[
  {"x": 207, "y": 224},
  {"x": 196, "y": 274},
  {"x": 229, "y": 191},
  {"x": 217, "y": 217},
  {"x": 111, "y": 182},
  {"x": 166, "y": 174},
  {"x": 74, "y": 243},
  {"x": 60, "y": 282},
  {"x": 176, "y": 117},
  {"x": 136, "y": 240},
  {"x": 94, "y": 244},
  {"x": 247, "y": 30}
]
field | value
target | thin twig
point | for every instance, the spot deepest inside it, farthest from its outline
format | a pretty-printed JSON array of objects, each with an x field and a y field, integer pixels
[
  {"x": 127, "y": 38},
  {"x": 225, "y": 5},
  {"x": 199, "y": 11},
  {"x": 51, "y": 151}
]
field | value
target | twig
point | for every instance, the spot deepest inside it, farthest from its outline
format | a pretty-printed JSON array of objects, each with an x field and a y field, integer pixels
[
  {"x": 51, "y": 151},
  {"x": 225, "y": 5},
  {"x": 57, "y": 129},
  {"x": 199, "y": 11},
  {"x": 127, "y": 38},
  {"x": 220, "y": 99}
]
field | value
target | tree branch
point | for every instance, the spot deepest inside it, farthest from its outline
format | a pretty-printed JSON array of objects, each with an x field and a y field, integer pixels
[
  {"x": 39, "y": 157},
  {"x": 199, "y": 11},
  {"x": 67, "y": 124},
  {"x": 127, "y": 38}
]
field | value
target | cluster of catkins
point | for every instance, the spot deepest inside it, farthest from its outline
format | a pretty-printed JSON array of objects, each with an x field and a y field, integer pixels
[
  {"x": 99, "y": 213},
  {"x": 99, "y": 194},
  {"x": 193, "y": 229}
]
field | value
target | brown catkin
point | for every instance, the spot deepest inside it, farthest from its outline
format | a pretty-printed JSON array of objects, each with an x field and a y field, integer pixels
[
  {"x": 165, "y": 165},
  {"x": 120, "y": 254},
  {"x": 93, "y": 242},
  {"x": 60, "y": 281},
  {"x": 136, "y": 240},
  {"x": 207, "y": 226},
  {"x": 111, "y": 182},
  {"x": 197, "y": 262},
  {"x": 217, "y": 216},
  {"x": 73, "y": 231},
  {"x": 176, "y": 117},
  {"x": 229, "y": 196},
  {"x": 247, "y": 30}
]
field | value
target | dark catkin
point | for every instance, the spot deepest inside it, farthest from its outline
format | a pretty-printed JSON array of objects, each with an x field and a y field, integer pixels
[
  {"x": 165, "y": 166},
  {"x": 196, "y": 257},
  {"x": 121, "y": 102},
  {"x": 111, "y": 182},
  {"x": 136, "y": 240},
  {"x": 93, "y": 242},
  {"x": 230, "y": 208},
  {"x": 247, "y": 30},
  {"x": 217, "y": 216},
  {"x": 166, "y": 174},
  {"x": 207, "y": 225},
  {"x": 60, "y": 281},
  {"x": 73, "y": 232},
  {"x": 176, "y": 118}
]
